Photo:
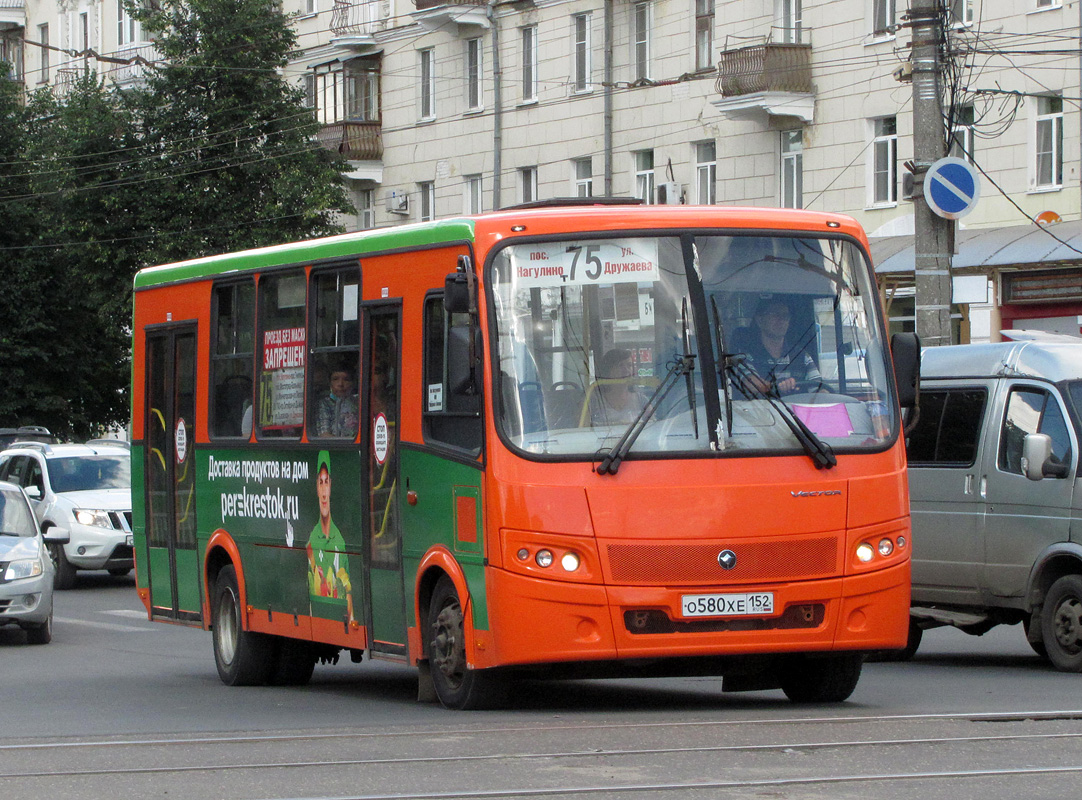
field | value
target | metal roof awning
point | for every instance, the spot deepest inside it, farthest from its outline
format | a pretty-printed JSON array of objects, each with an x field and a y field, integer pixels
[{"x": 984, "y": 249}]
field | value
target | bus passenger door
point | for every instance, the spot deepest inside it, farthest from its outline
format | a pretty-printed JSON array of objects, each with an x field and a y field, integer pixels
[
  {"x": 385, "y": 606},
  {"x": 169, "y": 466}
]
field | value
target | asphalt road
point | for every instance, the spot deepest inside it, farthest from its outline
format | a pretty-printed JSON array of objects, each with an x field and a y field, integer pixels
[{"x": 118, "y": 707}]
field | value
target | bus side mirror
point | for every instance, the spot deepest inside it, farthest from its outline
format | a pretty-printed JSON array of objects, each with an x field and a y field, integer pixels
[
  {"x": 905, "y": 353},
  {"x": 456, "y": 293},
  {"x": 463, "y": 359}
]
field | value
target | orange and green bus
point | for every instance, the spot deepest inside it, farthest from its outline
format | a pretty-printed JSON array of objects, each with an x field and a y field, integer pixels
[{"x": 592, "y": 439}]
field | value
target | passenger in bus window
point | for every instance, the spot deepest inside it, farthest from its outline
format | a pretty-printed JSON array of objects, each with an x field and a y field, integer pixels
[
  {"x": 776, "y": 363},
  {"x": 615, "y": 397},
  {"x": 328, "y": 568},
  {"x": 338, "y": 413}
]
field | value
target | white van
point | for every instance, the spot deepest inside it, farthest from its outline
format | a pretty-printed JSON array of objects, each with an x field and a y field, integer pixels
[{"x": 996, "y": 504}]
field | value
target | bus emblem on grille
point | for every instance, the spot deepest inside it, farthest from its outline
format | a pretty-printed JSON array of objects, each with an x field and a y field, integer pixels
[{"x": 727, "y": 559}]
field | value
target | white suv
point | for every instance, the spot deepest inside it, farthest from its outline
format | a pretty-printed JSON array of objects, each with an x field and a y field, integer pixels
[{"x": 84, "y": 489}]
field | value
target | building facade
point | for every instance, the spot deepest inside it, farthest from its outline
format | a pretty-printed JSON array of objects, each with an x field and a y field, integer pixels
[{"x": 446, "y": 108}]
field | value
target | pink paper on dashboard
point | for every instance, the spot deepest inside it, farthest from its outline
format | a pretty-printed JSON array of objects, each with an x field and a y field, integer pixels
[{"x": 830, "y": 419}]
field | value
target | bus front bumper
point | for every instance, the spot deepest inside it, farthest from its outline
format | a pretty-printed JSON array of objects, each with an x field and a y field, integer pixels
[{"x": 537, "y": 621}]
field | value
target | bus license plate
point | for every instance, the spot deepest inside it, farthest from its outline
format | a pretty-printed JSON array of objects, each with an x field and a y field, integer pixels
[{"x": 727, "y": 605}]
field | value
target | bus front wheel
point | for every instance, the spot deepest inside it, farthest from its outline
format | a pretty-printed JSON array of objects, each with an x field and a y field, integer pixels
[
  {"x": 456, "y": 686},
  {"x": 243, "y": 658},
  {"x": 828, "y": 679}
]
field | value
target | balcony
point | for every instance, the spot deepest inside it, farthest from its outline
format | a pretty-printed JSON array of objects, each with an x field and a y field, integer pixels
[
  {"x": 771, "y": 77},
  {"x": 12, "y": 14},
  {"x": 134, "y": 73},
  {"x": 357, "y": 141},
  {"x": 470, "y": 16}
]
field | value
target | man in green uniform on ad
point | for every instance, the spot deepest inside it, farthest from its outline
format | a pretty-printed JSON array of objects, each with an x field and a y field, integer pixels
[{"x": 328, "y": 570}]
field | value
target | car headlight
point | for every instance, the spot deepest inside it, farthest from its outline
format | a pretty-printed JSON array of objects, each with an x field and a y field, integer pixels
[
  {"x": 24, "y": 568},
  {"x": 98, "y": 519}
]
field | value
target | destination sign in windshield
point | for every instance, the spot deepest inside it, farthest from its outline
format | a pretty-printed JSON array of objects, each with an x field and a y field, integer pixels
[{"x": 552, "y": 264}]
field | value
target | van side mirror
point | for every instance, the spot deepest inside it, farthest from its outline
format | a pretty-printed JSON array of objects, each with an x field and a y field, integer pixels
[
  {"x": 33, "y": 492},
  {"x": 55, "y": 535},
  {"x": 1037, "y": 460},
  {"x": 905, "y": 353}
]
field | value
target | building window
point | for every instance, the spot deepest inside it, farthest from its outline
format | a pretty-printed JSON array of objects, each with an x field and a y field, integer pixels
[
  {"x": 527, "y": 181},
  {"x": 473, "y": 194},
  {"x": 473, "y": 74},
  {"x": 11, "y": 51},
  {"x": 584, "y": 177},
  {"x": 366, "y": 212},
  {"x": 792, "y": 169},
  {"x": 529, "y": 64},
  {"x": 706, "y": 173},
  {"x": 127, "y": 28},
  {"x": 640, "y": 40},
  {"x": 962, "y": 135},
  {"x": 1048, "y": 3},
  {"x": 704, "y": 34},
  {"x": 43, "y": 37},
  {"x": 791, "y": 21},
  {"x": 883, "y": 16},
  {"x": 580, "y": 27},
  {"x": 1049, "y": 142},
  {"x": 310, "y": 7},
  {"x": 961, "y": 12},
  {"x": 428, "y": 83},
  {"x": 427, "y": 192},
  {"x": 644, "y": 175},
  {"x": 885, "y": 161},
  {"x": 346, "y": 92}
]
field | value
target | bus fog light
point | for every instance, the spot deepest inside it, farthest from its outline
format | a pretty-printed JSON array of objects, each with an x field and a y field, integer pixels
[
  {"x": 865, "y": 552},
  {"x": 544, "y": 558},
  {"x": 886, "y": 547},
  {"x": 570, "y": 562},
  {"x": 523, "y": 554}
]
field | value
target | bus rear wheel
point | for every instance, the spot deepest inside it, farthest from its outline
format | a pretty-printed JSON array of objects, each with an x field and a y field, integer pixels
[
  {"x": 243, "y": 658},
  {"x": 456, "y": 686},
  {"x": 827, "y": 679}
]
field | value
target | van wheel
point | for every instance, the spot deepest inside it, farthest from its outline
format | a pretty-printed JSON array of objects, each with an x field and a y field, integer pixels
[
  {"x": 243, "y": 658},
  {"x": 830, "y": 679},
  {"x": 1061, "y": 623},
  {"x": 1038, "y": 647},
  {"x": 456, "y": 686}
]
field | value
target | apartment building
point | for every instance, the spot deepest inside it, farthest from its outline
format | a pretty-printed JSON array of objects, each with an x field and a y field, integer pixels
[{"x": 445, "y": 108}]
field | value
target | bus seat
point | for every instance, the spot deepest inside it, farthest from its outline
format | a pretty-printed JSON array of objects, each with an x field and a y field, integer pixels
[{"x": 565, "y": 405}]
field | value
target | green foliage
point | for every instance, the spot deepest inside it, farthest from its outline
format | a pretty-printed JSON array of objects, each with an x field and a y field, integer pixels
[{"x": 217, "y": 153}]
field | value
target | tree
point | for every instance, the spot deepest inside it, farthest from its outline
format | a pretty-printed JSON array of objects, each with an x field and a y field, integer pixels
[{"x": 237, "y": 160}]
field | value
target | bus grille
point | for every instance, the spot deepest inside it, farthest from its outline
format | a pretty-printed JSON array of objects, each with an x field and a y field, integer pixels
[
  {"x": 675, "y": 564},
  {"x": 655, "y": 621}
]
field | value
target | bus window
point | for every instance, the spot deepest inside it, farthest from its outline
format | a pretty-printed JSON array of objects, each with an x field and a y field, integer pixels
[
  {"x": 333, "y": 388},
  {"x": 233, "y": 324},
  {"x": 452, "y": 414},
  {"x": 282, "y": 336}
]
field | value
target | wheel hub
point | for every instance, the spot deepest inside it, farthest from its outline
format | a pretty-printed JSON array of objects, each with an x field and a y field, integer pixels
[
  {"x": 1068, "y": 624},
  {"x": 448, "y": 655}
]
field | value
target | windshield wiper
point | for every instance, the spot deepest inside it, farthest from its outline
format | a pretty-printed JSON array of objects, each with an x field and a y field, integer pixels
[
  {"x": 684, "y": 365},
  {"x": 821, "y": 453},
  {"x": 725, "y": 366}
]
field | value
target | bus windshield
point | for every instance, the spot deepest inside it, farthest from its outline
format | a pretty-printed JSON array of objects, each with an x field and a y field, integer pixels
[{"x": 708, "y": 343}]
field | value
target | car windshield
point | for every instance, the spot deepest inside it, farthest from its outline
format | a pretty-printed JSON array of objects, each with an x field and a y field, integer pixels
[
  {"x": 86, "y": 473},
  {"x": 782, "y": 334},
  {"x": 15, "y": 516}
]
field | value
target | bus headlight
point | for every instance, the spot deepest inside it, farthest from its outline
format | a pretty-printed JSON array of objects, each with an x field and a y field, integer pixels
[
  {"x": 570, "y": 561},
  {"x": 865, "y": 553},
  {"x": 886, "y": 547},
  {"x": 543, "y": 558}
]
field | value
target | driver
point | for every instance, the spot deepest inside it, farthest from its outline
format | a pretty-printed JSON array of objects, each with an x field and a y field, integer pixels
[{"x": 774, "y": 362}]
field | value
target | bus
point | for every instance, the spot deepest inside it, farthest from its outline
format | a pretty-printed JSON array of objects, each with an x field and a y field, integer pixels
[{"x": 579, "y": 439}]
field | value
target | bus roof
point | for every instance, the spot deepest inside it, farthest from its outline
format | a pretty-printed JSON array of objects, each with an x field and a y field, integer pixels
[{"x": 497, "y": 225}]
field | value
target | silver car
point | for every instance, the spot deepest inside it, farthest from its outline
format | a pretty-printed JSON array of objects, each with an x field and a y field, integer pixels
[{"x": 26, "y": 570}]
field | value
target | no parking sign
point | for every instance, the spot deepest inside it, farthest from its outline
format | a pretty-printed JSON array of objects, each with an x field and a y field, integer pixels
[{"x": 951, "y": 187}]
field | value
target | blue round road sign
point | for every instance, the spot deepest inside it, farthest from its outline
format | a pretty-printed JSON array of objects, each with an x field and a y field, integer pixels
[{"x": 951, "y": 187}]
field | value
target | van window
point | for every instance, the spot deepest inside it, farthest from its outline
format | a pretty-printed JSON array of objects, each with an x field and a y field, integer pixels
[
  {"x": 1032, "y": 410},
  {"x": 949, "y": 428}
]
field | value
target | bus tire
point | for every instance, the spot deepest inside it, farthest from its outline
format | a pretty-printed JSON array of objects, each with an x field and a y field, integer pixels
[
  {"x": 243, "y": 658},
  {"x": 830, "y": 679},
  {"x": 1061, "y": 624},
  {"x": 294, "y": 662},
  {"x": 457, "y": 687}
]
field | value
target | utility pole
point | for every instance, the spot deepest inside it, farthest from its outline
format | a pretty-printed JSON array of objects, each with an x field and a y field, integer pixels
[{"x": 931, "y": 239}]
